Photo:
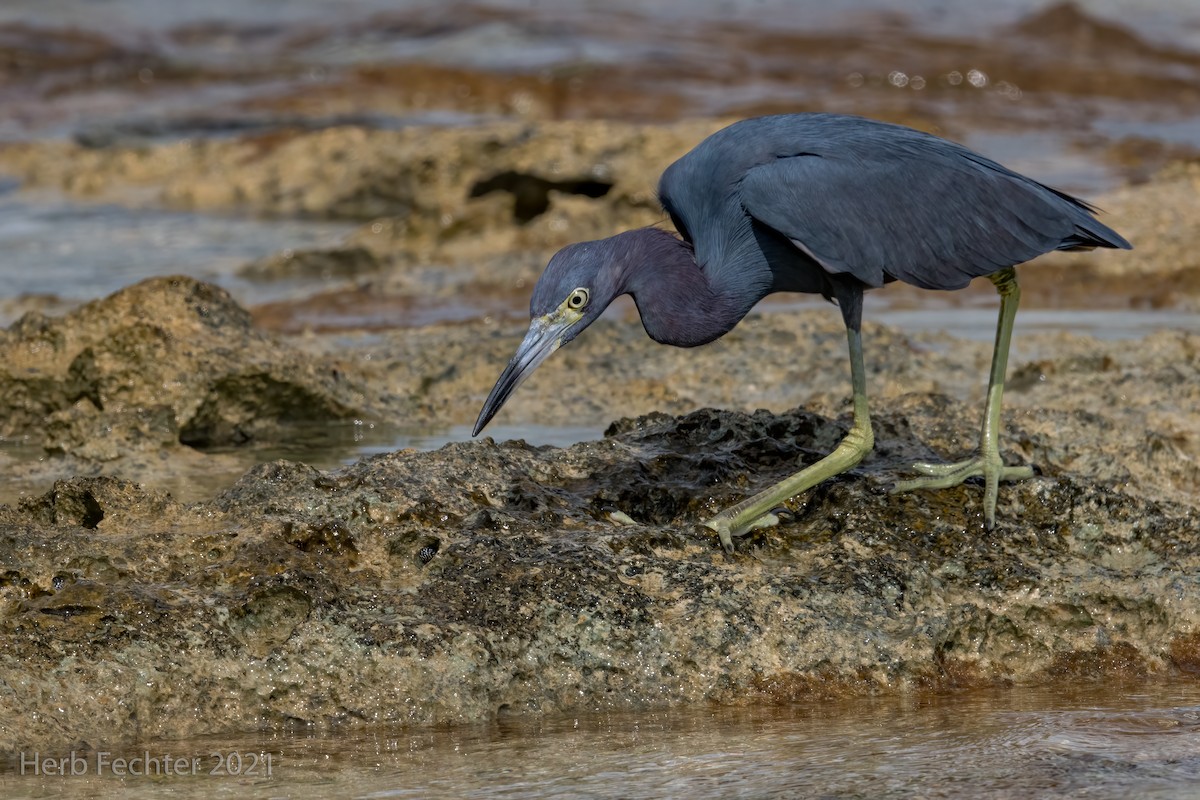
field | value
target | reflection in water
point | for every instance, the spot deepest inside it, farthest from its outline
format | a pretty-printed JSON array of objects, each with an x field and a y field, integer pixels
[
  {"x": 333, "y": 444},
  {"x": 1096, "y": 741},
  {"x": 324, "y": 445}
]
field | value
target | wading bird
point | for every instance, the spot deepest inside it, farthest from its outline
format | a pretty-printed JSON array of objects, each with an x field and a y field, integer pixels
[{"x": 816, "y": 203}]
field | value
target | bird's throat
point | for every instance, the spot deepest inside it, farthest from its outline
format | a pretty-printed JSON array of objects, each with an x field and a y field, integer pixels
[{"x": 676, "y": 298}]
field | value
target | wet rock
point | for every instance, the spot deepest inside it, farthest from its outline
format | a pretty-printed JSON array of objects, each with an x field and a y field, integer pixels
[
  {"x": 420, "y": 588},
  {"x": 449, "y": 586},
  {"x": 269, "y": 618},
  {"x": 164, "y": 362},
  {"x": 88, "y": 502},
  {"x": 86, "y": 433},
  {"x": 348, "y": 262},
  {"x": 1067, "y": 26}
]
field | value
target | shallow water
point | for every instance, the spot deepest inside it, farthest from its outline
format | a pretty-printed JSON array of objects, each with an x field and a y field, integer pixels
[
  {"x": 68, "y": 252},
  {"x": 1086, "y": 741},
  {"x": 325, "y": 446},
  {"x": 331, "y": 445},
  {"x": 181, "y": 70},
  {"x": 59, "y": 253}
]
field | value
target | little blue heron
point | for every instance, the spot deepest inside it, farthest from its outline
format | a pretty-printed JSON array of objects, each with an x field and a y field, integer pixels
[{"x": 815, "y": 203}]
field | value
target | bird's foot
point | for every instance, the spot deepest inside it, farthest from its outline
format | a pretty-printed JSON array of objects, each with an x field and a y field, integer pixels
[
  {"x": 943, "y": 476},
  {"x": 727, "y": 525},
  {"x": 763, "y": 509}
]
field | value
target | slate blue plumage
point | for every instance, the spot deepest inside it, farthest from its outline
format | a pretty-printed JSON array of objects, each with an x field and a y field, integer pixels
[
  {"x": 877, "y": 201},
  {"x": 814, "y": 203}
]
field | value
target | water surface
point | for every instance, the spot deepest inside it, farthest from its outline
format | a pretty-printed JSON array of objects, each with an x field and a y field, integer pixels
[
  {"x": 65, "y": 252},
  {"x": 1121, "y": 740}
]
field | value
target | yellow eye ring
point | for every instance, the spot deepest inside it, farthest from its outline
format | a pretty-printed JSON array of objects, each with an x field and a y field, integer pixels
[{"x": 578, "y": 299}]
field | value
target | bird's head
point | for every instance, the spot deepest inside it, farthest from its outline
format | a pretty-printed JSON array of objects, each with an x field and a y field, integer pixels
[{"x": 579, "y": 283}]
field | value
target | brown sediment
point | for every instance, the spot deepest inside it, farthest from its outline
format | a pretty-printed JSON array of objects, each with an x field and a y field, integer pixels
[
  {"x": 564, "y": 93},
  {"x": 1121, "y": 661},
  {"x": 1060, "y": 51},
  {"x": 1185, "y": 653},
  {"x": 783, "y": 688},
  {"x": 959, "y": 673}
]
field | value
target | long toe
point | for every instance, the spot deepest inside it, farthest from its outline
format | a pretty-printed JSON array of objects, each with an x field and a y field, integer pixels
[
  {"x": 944, "y": 481},
  {"x": 944, "y": 476},
  {"x": 722, "y": 525},
  {"x": 930, "y": 468}
]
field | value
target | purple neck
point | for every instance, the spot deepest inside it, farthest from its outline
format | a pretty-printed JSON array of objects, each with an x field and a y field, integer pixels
[{"x": 677, "y": 300}]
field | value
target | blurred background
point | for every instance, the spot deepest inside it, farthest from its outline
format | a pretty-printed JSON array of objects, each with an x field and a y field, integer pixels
[{"x": 1086, "y": 96}]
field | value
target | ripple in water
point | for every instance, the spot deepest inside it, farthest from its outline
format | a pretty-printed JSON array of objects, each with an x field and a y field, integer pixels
[{"x": 1098, "y": 741}]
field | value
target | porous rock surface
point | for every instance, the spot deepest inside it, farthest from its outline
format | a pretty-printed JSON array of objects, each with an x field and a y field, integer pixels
[
  {"x": 165, "y": 362},
  {"x": 487, "y": 578}
]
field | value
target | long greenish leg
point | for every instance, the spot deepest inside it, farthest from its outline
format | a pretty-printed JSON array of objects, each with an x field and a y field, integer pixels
[
  {"x": 988, "y": 462},
  {"x": 755, "y": 512}
]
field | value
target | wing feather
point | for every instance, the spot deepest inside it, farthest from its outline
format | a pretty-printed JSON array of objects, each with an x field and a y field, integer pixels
[{"x": 927, "y": 216}]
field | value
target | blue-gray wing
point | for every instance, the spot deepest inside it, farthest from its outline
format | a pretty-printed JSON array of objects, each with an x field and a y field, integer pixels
[{"x": 933, "y": 219}]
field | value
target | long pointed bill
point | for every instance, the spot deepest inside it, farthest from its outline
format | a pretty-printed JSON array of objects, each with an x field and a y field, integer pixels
[{"x": 544, "y": 337}]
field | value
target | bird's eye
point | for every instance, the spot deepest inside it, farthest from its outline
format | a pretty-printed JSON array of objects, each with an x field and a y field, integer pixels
[{"x": 578, "y": 299}]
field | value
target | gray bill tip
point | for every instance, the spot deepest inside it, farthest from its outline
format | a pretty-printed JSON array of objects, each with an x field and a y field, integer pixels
[{"x": 541, "y": 340}]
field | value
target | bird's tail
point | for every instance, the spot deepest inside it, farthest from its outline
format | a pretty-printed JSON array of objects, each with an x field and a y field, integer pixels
[{"x": 1090, "y": 232}]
